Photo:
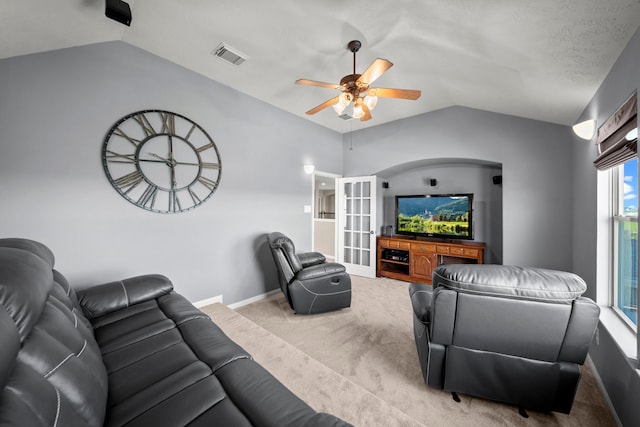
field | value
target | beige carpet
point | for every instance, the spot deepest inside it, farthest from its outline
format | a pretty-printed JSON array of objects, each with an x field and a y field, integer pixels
[
  {"x": 361, "y": 364},
  {"x": 319, "y": 386}
]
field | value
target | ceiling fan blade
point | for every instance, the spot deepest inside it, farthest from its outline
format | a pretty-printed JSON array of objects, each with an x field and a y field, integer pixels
[
  {"x": 316, "y": 83},
  {"x": 323, "y": 105},
  {"x": 367, "y": 113},
  {"x": 375, "y": 70},
  {"x": 394, "y": 93}
]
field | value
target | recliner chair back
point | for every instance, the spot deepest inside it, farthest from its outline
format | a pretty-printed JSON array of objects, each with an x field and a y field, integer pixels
[
  {"x": 505, "y": 333},
  {"x": 310, "y": 284},
  {"x": 284, "y": 254}
]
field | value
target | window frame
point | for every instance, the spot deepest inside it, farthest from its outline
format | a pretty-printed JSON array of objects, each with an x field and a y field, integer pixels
[{"x": 617, "y": 218}]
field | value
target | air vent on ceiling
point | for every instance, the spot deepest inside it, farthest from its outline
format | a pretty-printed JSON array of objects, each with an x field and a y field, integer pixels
[
  {"x": 229, "y": 54},
  {"x": 345, "y": 116}
]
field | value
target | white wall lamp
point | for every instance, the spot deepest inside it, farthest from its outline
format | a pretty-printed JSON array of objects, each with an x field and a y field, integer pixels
[
  {"x": 308, "y": 169},
  {"x": 585, "y": 130}
]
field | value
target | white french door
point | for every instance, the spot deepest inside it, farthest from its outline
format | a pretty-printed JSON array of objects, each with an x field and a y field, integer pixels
[{"x": 356, "y": 224}]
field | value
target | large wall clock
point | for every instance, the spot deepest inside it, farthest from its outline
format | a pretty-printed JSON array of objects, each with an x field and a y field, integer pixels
[{"x": 161, "y": 161}]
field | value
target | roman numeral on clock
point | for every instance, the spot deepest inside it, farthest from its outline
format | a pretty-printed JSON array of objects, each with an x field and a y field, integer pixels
[
  {"x": 204, "y": 147},
  {"x": 129, "y": 181},
  {"x": 148, "y": 198},
  {"x": 146, "y": 126},
  {"x": 194, "y": 197},
  {"x": 168, "y": 123},
  {"x": 114, "y": 157},
  {"x": 174, "y": 202},
  {"x": 121, "y": 133},
  {"x": 211, "y": 185}
]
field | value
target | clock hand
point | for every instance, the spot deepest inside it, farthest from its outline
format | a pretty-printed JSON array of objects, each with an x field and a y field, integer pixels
[
  {"x": 205, "y": 165},
  {"x": 169, "y": 162},
  {"x": 172, "y": 162},
  {"x": 152, "y": 161},
  {"x": 174, "y": 184},
  {"x": 187, "y": 163}
]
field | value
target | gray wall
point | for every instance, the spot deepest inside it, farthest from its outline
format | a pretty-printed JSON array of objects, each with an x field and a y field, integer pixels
[
  {"x": 536, "y": 169},
  {"x": 55, "y": 108},
  {"x": 618, "y": 374}
]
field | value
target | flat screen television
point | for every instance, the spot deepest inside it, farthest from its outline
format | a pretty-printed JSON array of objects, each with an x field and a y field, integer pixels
[{"x": 435, "y": 215}]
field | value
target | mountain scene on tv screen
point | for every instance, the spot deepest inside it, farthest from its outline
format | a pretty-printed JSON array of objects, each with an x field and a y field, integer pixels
[{"x": 434, "y": 215}]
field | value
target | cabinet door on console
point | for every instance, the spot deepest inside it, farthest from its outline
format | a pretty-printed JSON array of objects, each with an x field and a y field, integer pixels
[{"x": 422, "y": 265}]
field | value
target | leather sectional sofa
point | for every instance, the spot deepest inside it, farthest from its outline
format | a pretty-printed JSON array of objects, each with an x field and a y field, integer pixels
[{"x": 131, "y": 352}]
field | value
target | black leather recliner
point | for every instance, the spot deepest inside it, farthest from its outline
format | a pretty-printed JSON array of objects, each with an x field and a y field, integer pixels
[
  {"x": 310, "y": 284},
  {"x": 505, "y": 333}
]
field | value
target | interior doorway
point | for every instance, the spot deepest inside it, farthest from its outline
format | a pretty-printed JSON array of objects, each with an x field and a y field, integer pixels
[{"x": 323, "y": 206}]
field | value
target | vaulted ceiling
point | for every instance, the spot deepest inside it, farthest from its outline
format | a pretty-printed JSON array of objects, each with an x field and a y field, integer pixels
[{"x": 540, "y": 59}]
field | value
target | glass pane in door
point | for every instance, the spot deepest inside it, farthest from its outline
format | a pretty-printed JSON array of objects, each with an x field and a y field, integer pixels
[
  {"x": 365, "y": 258},
  {"x": 357, "y": 224},
  {"x": 357, "y": 218}
]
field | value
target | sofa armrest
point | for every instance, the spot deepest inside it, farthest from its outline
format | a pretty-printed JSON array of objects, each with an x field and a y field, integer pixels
[
  {"x": 580, "y": 330},
  {"x": 421, "y": 296},
  {"x": 102, "y": 299},
  {"x": 320, "y": 270},
  {"x": 308, "y": 259}
]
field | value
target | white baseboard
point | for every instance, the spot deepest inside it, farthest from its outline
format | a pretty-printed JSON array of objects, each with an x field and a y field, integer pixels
[
  {"x": 208, "y": 301},
  {"x": 218, "y": 299},
  {"x": 253, "y": 299}
]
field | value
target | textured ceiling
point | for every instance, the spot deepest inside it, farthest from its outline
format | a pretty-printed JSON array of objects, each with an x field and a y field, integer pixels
[{"x": 541, "y": 59}]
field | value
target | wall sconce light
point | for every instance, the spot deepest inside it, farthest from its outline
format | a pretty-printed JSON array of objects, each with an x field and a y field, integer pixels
[
  {"x": 308, "y": 169},
  {"x": 585, "y": 130}
]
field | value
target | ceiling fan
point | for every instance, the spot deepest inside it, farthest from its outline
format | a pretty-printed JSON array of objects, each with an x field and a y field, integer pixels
[{"x": 355, "y": 88}]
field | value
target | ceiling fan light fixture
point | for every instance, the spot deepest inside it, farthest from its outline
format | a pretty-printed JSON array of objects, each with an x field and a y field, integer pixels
[
  {"x": 338, "y": 107},
  {"x": 345, "y": 98},
  {"x": 357, "y": 110},
  {"x": 370, "y": 101}
]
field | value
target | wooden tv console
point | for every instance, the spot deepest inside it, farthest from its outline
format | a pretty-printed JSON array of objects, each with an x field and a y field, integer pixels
[{"x": 414, "y": 259}]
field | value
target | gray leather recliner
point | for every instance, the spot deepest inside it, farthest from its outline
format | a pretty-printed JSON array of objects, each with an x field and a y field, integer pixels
[
  {"x": 510, "y": 334},
  {"x": 310, "y": 284}
]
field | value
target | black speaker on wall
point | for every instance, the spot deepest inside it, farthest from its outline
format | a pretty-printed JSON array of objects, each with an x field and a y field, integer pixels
[
  {"x": 385, "y": 184},
  {"x": 118, "y": 11},
  {"x": 497, "y": 180}
]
